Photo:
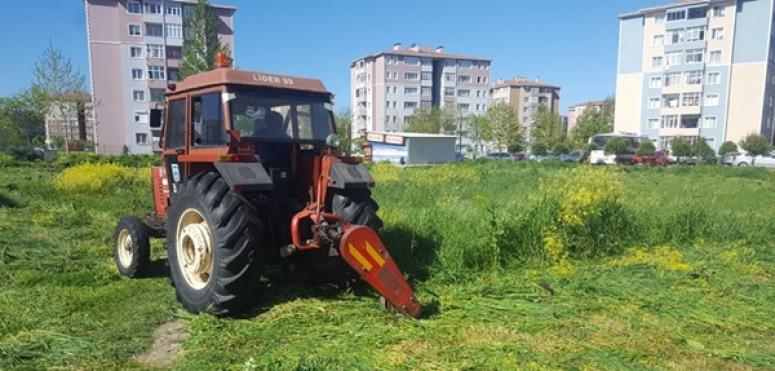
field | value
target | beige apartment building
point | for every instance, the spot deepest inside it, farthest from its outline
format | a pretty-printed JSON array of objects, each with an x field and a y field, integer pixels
[
  {"x": 574, "y": 112},
  {"x": 387, "y": 87},
  {"x": 526, "y": 96},
  {"x": 72, "y": 120},
  {"x": 135, "y": 49}
]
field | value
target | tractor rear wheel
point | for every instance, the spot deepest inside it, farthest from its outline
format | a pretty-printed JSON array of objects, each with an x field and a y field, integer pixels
[
  {"x": 357, "y": 207},
  {"x": 212, "y": 240},
  {"x": 132, "y": 248}
]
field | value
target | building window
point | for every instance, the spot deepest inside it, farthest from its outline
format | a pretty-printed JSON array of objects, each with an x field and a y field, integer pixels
[
  {"x": 673, "y": 79},
  {"x": 659, "y": 18},
  {"x": 713, "y": 78},
  {"x": 659, "y": 40},
  {"x": 172, "y": 74},
  {"x": 410, "y": 91},
  {"x": 449, "y": 77},
  {"x": 715, "y": 56},
  {"x": 676, "y": 16},
  {"x": 426, "y": 90},
  {"x": 135, "y": 52},
  {"x": 719, "y": 10},
  {"x": 694, "y": 78},
  {"x": 674, "y": 59},
  {"x": 410, "y": 76},
  {"x": 137, "y": 74},
  {"x": 654, "y": 103},
  {"x": 669, "y": 122},
  {"x": 155, "y": 51},
  {"x": 655, "y": 82},
  {"x": 464, "y": 107},
  {"x": 426, "y": 76},
  {"x": 157, "y": 95},
  {"x": 156, "y": 73},
  {"x": 675, "y": 37},
  {"x": 134, "y": 7},
  {"x": 671, "y": 101},
  {"x": 410, "y": 105},
  {"x": 463, "y": 93},
  {"x": 173, "y": 10},
  {"x": 656, "y": 62},
  {"x": 141, "y": 138},
  {"x": 449, "y": 92},
  {"x": 653, "y": 124},
  {"x": 690, "y": 122},
  {"x": 174, "y": 52},
  {"x": 174, "y": 30},
  {"x": 700, "y": 12},
  {"x": 153, "y": 29},
  {"x": 694, "y": 56},
  {"x": 665, "y": 143},
  {"x": 690, "y": 100},
  {"x": 711, "y": 100},
  {"x": 464, "y": 78},
  {"x": 153, "y": 8},
  {"x": 140, "y": 117},
  {"x": 135, "y": 30},
  {"x": 695, "y": 34},
  {"x": 138, "y": 95},
  {"x": 717, "y": 33}
]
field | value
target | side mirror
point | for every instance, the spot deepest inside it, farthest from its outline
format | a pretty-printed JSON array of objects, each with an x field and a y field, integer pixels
[{"x": 156, "y": 118}]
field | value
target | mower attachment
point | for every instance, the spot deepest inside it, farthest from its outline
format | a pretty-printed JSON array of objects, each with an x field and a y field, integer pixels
[{"x": 362, "y": 248}]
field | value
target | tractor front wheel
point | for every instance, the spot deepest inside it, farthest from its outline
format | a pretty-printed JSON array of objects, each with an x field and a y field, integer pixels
[
  {"x": 212, "y": 239},
  {"x": 132, "y": 248}
]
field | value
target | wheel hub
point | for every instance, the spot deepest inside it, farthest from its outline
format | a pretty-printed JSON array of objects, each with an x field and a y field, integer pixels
[
  {"x": 125, "y": 244},
  {"x": 194, "y": 249}
]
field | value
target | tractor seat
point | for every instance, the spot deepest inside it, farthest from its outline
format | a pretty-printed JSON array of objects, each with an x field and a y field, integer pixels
[{"x": 273, "y": 155}]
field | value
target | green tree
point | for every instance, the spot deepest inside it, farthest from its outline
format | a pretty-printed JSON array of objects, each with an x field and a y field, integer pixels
[
  {"x": 539, "y": 148},
  {"x": 202, "y": 42},
  {"x": 344, "y": 130},
  {"x": 646, "y": 148},
  {"x": 701, "y": 149},
  {"x": 616, "y": 146},
  {"x": 432, "y": 120},
  {"x": 727, "y": 148},
  {"x": 681, "y": 147},
  {"x": 9, "y": 134},
  {"x": 25, "y": 111},
  {"x": 608, "y": 111},
  {"x": 474, "y": 131},
  {"x": 548, "y": 129},
  {"x": 592, "y": 122},
  {"x": 755, "y": 145},
  {"x": 501, "y": 125}
]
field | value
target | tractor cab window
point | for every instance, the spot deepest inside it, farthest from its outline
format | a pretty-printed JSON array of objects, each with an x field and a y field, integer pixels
[
  {"x": 207, "y": 121},
  {"x": 265, "y": 114},
  {"x": 176, "y": 123}
]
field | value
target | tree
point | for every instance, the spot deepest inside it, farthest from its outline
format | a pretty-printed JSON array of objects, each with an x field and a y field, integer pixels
[
  {"x": 344, "y": 129},
  {"x": 616, "y": 146},
  {"x": 474, "y": 131},
  {"x": 701, "y": 149},
  {"x": 432, "y": 120},
  {"x": 202, "y": 44},
  {"x": 58, "y": 84},
  {"x": 501, "y": 125},
  {"x": 563, "y": 147},
  {"x": 646, "y": 148},
  {"x": 539, "y": 148},
  {"x": 727, "y": 148},
  {"x": 681, "y": 147},
  {"x": 592, "y": 122},
  {"x": 755, "y": 145},
  {"x": 548, "y": 129},
  {"x": 9, "y": 134},
  {"x": 25, "y": 111}
]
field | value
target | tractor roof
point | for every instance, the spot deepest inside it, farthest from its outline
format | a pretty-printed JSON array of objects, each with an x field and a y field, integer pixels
[{"x": 228, "y": 76}]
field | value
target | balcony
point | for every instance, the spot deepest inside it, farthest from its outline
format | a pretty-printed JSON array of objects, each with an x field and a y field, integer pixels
[{"x": 680, "y": 110}]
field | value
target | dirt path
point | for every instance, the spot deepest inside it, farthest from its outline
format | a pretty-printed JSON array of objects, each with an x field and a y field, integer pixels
[{"x": 167, "y": 342}]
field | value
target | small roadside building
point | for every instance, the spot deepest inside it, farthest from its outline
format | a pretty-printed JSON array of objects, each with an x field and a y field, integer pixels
[{"x": 413, "y": 148}]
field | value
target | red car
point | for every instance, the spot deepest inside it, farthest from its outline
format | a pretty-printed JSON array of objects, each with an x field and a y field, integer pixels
[{"x": 657, "y": 159}]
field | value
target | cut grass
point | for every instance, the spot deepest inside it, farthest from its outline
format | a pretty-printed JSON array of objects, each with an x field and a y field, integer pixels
[{"x": 693, "y": 290}]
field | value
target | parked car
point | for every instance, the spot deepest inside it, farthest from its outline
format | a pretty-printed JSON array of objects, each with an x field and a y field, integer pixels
[
  {"x": 659, "y": 158},
  {"x": 499, "y": 156},
  {"x": 520, "y": 156},
  {"x": 572, "y": 157},
  {"x": 741, "y": 160},
  {"x": 542, "y": 158}
]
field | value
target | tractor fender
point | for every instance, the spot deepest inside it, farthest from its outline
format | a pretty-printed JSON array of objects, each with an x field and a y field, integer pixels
[
  {"x": 245, "y": 176},
  {"x": 349, "y": 176}
]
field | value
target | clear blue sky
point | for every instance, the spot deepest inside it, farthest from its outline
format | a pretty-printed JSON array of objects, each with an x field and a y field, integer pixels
[{"x": 567, "y": 42}]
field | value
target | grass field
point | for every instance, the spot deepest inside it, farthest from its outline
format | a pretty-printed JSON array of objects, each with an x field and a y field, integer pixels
[{"x": 520, "y": 266}]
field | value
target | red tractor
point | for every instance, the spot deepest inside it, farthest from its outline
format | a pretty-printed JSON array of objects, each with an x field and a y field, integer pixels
[{"x": 252, "y": 175}]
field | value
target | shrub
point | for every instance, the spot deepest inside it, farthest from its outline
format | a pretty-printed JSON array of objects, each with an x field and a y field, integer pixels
[
  {"x": 6, "y": 160},
  {"x": 646, "y": 148},
  {"x": 87, "y": 178},
  {"x": 681, "y": 147},
  {"x": 702, "y": 149},
  {"x": 755, "y": 145},
  {"x": 727, "y": 148},
  {"x": 616, "y": 146}
]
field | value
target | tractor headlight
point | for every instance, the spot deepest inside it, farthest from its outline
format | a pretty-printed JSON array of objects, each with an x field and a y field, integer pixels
[{"x": 332, "y": 140}]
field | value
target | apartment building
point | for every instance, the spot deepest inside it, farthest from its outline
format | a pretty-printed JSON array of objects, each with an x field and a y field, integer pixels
[
  {"x": 135, "y": 48},
  {"x": 574, "y": 112},
  {"x": 526, "y": 96},
  {"x": 388, "y": 86},
  {"x": 71, "y": 120},
  {"x": 697, "y": 69}
]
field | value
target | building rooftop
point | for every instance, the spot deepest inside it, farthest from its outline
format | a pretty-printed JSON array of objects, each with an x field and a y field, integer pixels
[
  {"x": 675, "y": 4},
  {"x": 413, "y": 135},
  {"x": 519, "y": 82},
  {"x": 222, "y": 6},
  {"x": 589, "y": 103},
  {"x": 421, "y": 51}
]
